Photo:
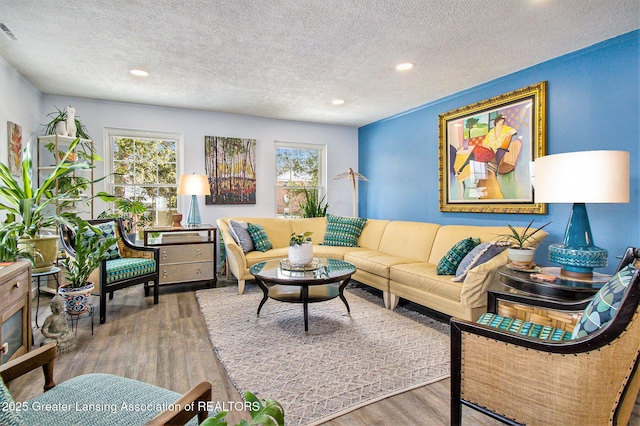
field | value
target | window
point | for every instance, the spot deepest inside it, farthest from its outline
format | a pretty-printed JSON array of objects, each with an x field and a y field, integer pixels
[
  {"x": 298, "y": 167},
  {"x": 145, "y": 167}
]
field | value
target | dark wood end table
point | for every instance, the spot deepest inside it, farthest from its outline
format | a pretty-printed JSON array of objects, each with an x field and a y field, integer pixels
[{"x": 297, "y": 285}]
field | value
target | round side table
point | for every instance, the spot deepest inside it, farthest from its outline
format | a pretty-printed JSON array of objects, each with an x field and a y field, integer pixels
[
  {"x": 562, "y": 289},
  {"x": 38, "y": 275}
]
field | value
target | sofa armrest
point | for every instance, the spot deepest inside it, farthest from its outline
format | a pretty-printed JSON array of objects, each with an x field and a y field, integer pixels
[
  {"x": 42, "y": 357},
  {"x": 230, "y": 245},
  {"x": 191, "y": 403},
  {"x": 480, "y": 280}
]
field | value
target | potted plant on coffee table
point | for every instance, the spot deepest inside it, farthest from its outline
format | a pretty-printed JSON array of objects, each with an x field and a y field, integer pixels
[
  {"x": 36, "y": 209},
  {"x": 521, "y": 250},
  {"x": 300, "y": 249},
  {"x": 90, "y": 249}
]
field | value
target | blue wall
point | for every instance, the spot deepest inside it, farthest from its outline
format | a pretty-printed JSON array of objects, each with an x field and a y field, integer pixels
[{"x": 593, "y": 98}]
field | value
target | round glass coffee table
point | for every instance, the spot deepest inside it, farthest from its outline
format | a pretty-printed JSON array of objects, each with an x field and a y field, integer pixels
[{"x": 321, "y": 280}]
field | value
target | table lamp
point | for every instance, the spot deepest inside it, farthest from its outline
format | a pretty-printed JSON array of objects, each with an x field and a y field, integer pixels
[
  {"x": 194, "y": 185},
  {"x": 580, "y": 178},
  {"x": 353, "y": 177}
]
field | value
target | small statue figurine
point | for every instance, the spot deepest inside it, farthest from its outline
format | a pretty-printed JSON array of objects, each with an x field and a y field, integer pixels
[{"x": 56, "y": 328}]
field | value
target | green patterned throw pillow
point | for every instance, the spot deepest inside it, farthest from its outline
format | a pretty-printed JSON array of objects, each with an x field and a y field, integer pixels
[
  {"x": 450, "y": 261},
  {"x": 259, "y": 237},
  {"x": 108, "y": 230},
  {"x": 604, "y": 304},
  {"x": 343, "y": 231}
]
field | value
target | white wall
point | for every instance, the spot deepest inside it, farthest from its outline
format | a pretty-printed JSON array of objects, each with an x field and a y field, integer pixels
[
  {"x": 20, "y": 104},
  {"x": 341, "y": 142}
]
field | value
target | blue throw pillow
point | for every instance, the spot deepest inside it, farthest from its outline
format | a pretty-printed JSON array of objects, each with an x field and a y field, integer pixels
[
  {"x": 107, "y": 230},
  {"x": 343, "y": 231},
  {"x": 450, "y": 261},
  {"x": 480, "y": 254},
  {"x": 240, "y": 235},
  {"x": 604, "y": 305},
  {"x": 259, "y": 237}
]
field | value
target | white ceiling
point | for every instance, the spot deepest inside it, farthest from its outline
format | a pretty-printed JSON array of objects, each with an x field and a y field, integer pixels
[{"x": 289, "y": 59}]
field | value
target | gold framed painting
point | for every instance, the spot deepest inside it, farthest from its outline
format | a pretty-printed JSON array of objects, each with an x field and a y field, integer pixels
[{"x": 486, "y": 151}]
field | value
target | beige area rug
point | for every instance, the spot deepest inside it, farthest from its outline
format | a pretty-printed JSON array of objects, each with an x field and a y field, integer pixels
[{"x": 344, "y": 362}]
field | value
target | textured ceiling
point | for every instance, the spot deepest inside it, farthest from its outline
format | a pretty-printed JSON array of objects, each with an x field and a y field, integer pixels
[{"x": 289, "y": 59}]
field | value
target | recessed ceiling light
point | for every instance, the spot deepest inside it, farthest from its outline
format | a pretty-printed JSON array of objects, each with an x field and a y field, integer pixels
[
  {"x": 338, "y": 102},
  {"x": 404, "y": 67},
  {"x": 139, "y": 73}
]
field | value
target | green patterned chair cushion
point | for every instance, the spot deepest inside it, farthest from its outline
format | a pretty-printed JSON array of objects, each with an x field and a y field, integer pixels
[
  {"x": 108, "y": 230},
  {"x": 450, "y": 261},
  {"x": 343, "y": 231},
  {"x": 604, "y": 304},
  {"x": 10, "y": 414},
  {"x": 129, "y": 267},
  {"x": 115, "y": 401},
  {"x": 524, "y": 328},
  {"x": 259, "y": 237}
]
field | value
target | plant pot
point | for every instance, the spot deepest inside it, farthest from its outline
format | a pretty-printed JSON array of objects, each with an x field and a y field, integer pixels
[
  {"x": 301, "y": 254},
  {"x": 522, "y": 257},
  {"x": 76, "y": 300},
  {"x": 44, "y": 251}
]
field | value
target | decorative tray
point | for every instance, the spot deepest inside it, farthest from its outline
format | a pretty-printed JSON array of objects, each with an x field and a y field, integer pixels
[
  {"x": 286, "y": 265},
  {"x": 515, "y": 268}
]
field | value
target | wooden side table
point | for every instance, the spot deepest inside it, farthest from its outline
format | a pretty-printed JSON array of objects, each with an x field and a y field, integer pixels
[{"x": 564, "y": 289}]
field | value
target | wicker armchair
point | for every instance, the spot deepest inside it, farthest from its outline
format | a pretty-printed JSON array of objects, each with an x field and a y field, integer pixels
[
  {"x": 523, "y": 380},
  {"x": 132, "y": 268},
  {"x": 105, "y": 390}
]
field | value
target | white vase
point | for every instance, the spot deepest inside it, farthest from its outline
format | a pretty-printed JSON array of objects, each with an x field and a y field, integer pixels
[{"x": 301, "y": 254}]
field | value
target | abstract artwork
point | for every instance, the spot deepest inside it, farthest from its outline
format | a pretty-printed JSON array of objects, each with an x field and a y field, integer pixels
[
  {"x": 486, "y": 150},
  {"x": 230, "y": 164},
  {"x": 14, "y": 136}
]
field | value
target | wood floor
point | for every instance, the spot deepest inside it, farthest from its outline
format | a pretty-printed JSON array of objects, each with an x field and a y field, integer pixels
[{"x": 167, "y": 345}]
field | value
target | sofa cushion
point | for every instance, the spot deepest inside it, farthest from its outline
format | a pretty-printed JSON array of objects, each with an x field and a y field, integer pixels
[
  {"x": 480, "y": 254},
  {"x": 343, "y": 231},
  {"x": 9, "y": 416},
  {"x": 524, "y": 328},
  {"x": 259, "y": 237},
  {"x": 129, "y": 267},
  {"x": 375, "y": 262},
  {"x": 106, "y": 230},
  {"x": 450, "y": 261},
  {"x": 240, "y": 235},
  {"x": 423, "y": 276},
  {"x": 604, "y": 304},
  {"x": 410, "y": 239}
]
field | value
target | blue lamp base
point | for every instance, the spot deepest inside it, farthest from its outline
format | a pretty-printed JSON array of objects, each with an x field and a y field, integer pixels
[
  {"x": 193, "y": 219},
  {"x": 577, "y": 254}
]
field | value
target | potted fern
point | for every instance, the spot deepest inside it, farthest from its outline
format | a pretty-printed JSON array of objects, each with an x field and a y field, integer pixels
[
  {"x": 300, "y": 249},
  {"x": 90, "y": 249}
]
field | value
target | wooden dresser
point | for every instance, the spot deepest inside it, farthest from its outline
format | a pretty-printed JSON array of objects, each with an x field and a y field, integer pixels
[
  {"x": 15, "y": 310},
  {"x": 186, "y": 255}
]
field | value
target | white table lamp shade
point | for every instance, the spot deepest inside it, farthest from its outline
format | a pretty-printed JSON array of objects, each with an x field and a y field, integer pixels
[{"x": 583, "y": 177}]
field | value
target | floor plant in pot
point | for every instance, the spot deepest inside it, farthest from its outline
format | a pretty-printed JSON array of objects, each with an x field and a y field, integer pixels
[
  {"x": 37, "y": 208},
  {"x": 521, "y": 245},
  {"x": 90, "y": 249}
]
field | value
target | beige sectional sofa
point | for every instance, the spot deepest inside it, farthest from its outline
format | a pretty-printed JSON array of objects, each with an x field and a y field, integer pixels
[{"x": 396, "y": 257}]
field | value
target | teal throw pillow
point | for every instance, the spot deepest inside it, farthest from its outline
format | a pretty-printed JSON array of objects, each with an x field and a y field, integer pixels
[
  {"x": 9, "y": 415},
  {"x": 343, "y": 231},
  {"x": 450, "y": 261},
  {"x": 107, "y": 230},
  {"x": 259, "y": 237},
  {"x": 480, "y": 254},
  {"x": 605, "y": 303}
]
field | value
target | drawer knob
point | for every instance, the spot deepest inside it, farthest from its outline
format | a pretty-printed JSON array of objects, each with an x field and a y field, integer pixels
[
  {"x": 17, "y": 284},
  {"x": 4, "y": 348},
  {"x": 164, "y": 255},
  {"x": 198, "y": 253},
  {"x": 198, "y": 272},
  {"x": 164, "y": 273}
]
